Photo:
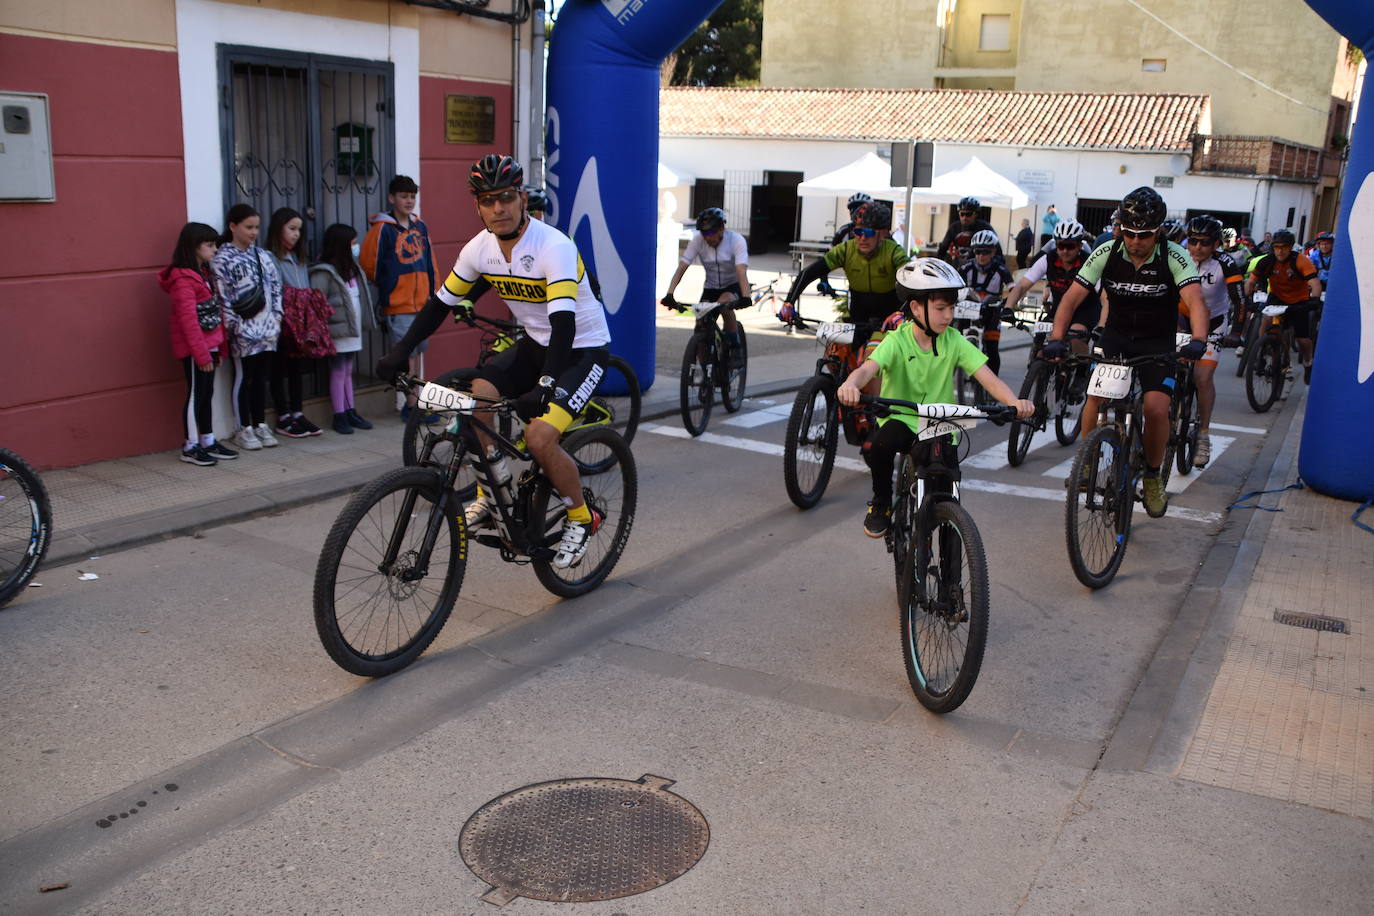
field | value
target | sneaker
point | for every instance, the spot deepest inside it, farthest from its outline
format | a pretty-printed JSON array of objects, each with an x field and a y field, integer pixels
[
  {"x": 288, "y": 426},
  {"x": 1204, "y": 451},
  {"x": 246, "y": 439},
  {"x": 198, "y": 456},
  {"x": 478, "y": 512},
  {"x": 217, "y": 450},
  {"x": 573, "y": 547},
  {"x": 310, "y": 429},
  {"x": 357, "y": 421},
  {"x": 1155, "y": 500},
  {"x": 878, "y": 519},
  {"x": 265, "y": 435},
  {"x": 341, "y": 424}
]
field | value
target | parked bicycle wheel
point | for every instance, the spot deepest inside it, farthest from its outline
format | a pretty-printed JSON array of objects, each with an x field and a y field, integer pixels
[
  {"x": 809, "y": 446},
  {"x": 1033, "y": 389},
  {"x": 1264, "y": 374},
  {"x": 697, "y": 385},
  {"x": 1189, "y": 428},
  {"x": 612, "y": 493},
  {"x": 375, "y": 617},
  {"x": 618, "y": 411},
  {"x": 1097, "y": 522},
  {"x": 1066, "y": 404},
  {"x": 416, "y": 431},
  {"x": 25, "y": 523},
  {"x": 944, "y": 609},
  {"x": 735, "y": 373}
]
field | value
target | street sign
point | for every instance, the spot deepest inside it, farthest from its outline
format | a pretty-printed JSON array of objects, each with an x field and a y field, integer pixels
[{"x": 1036, "y": 179}]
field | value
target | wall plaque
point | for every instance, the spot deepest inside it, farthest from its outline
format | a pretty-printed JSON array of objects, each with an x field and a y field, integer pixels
[{"x": 469, "y": 119}]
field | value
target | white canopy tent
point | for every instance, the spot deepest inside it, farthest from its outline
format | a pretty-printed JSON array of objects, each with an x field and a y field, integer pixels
[
  {"x": 670, "y": 177},
  {"x": 873, "y": 175}
]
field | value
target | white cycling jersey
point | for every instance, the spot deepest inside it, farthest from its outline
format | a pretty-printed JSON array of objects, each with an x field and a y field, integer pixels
[
  {"x": 544, "y": 275},
  {"x": 1217, "y": 272},
  {"x": 719, "y": 260}
]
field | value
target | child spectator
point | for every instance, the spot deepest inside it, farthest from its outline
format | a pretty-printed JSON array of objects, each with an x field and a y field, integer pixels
[
  {"x": 341, "y": 280},
  {"x": 284, "y": 240},
  {"x": 397, "y": 258},
  {"x": 244, "y": 274},
  {"x": 197, "y": 336}
]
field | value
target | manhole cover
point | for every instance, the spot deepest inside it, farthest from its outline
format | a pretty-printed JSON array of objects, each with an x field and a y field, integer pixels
[
  {"x": 583, "y": 839},
  {"x": 1311, "y": 621}
]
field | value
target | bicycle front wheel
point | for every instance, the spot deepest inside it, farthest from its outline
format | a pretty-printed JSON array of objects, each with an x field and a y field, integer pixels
[
  {"x": 697, "y": 386},
  {"x": 379, "y": 602},
  {"x": 944, "y": 608},
  {"x": 808, "y": 454},
  {"x": 1097, "y": 520},
  {"x": 617, "y": 410},
  {"x": 25, "y": 523},
  {"x": 903, "y": 521},
  {"x": 1066, "y": 403},
  {"x": 417, "y": 433},
  {"x": 1033, "y": 390},
  {"x": 1248, "y": 342},
  {"x": 1188, "y": 429},
  {"x": 735, "y": 372},
  {"x": 1264, "y": 374},
  {"x": 611, "y": 493}
]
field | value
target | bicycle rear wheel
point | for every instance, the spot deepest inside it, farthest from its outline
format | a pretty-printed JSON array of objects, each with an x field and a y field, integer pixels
[
  {"x": 1188, "y": 429},
  {"x": 1033, "y": 390},
  {"x": 808, "y": 454},
  {"x": 1097, "y": 520},
  {"x": 612, "y": 493},
  {"x": 25, "y": 523},
  {"x": 375, "y": 618},
  {"x": 944, "y": 608},
  {"x": 697, "y": 385},
  {"x": 618, "y": 411},
  {"x": 735, "y": 371},
  {"x": 903, "y": 521},
  {"x": 1264, "y": 374}
]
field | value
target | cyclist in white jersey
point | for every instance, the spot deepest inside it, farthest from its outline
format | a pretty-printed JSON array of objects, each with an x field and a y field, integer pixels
[
  {"x": 555, "y": 368},
  {"x": 725, "y": 256},
  {"x": 1221, "y": 284}
]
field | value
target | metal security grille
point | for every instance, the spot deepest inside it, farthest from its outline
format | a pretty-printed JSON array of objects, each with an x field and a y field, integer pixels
[
  {"x": 1311, "y": 621},
  {"x": 309, "y": 132}
]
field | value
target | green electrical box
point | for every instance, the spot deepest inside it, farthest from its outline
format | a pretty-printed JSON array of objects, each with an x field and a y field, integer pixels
[{"x": 353, "y": 150}]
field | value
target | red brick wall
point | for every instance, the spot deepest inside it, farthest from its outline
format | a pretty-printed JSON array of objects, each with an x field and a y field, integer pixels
[{"x": 85, "y": 357}]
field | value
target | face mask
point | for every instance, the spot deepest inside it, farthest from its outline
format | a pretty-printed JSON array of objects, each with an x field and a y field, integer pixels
[{"x": 356, "y": 249}]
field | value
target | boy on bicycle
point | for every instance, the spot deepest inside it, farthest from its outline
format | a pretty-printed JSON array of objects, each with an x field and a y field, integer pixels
[{"x": 917, "y": 362}]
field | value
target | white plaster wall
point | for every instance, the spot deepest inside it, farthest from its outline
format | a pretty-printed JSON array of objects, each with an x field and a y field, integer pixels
[{"x": 203, "y": 24}]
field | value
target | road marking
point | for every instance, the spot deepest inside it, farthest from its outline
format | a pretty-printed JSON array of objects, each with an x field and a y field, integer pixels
[
  {"x": 1251, "y": 430},
  {"x": 854, "y": 464},
  {"x": 995, "y": 458},
  {"x": 761, "y": 417},
  {"x": 1179, "y": 482}
]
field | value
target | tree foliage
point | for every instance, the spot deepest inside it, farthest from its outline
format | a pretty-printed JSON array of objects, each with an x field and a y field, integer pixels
[{"x": 723, "y": 51}]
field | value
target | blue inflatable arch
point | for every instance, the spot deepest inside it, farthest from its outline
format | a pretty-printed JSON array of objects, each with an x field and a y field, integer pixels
[{"x": 602, "y": 142}]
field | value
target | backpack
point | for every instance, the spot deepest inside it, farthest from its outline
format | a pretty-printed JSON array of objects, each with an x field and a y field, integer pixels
[{"x": 305, "y": 324}]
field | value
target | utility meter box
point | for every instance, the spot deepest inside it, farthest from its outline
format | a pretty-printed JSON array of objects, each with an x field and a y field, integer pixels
[{"x": 25, "y": 148}]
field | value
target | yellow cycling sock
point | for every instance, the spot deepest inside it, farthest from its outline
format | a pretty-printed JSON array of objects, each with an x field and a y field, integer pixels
[{"x": 582, "y": 514}]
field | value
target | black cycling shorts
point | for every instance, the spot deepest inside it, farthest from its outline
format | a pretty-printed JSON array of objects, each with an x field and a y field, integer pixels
[
  {"x": 1087, "y": 313},
  {"x": 1153, "y": 376},
  {"x": 712, "y": 294},
  {"x": 1300, "y": 320},
  {"x": 518, "y": 370}
]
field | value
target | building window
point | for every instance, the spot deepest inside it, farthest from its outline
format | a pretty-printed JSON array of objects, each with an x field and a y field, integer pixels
[
  {"x": 995, "y": 33},
  {"x": 707, "y": 192},
  {"x": 1154, "y": 65}
]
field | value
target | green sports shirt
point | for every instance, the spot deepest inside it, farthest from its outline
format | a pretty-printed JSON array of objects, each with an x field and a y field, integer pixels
[
  {"x": 877, "y": 274},
  {"x": 913, "y": 374}
]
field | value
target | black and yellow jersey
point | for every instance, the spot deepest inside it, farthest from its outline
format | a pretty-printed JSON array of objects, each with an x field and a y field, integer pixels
[{"x": 544, "y": 275}]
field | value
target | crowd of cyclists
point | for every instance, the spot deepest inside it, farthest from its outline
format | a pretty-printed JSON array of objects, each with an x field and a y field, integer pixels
[{"x": 1128, "y": 292}]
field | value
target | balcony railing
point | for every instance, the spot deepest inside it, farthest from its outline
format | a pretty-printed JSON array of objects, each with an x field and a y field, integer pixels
[{"x": 1262, "y": 157}]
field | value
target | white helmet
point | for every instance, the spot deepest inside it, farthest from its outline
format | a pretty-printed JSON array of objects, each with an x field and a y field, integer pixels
[
  {"x": 984, "y": 238},
  {"x": 1069, "y": 230},
  {"x": 917, "y": 279},
  {"x": 858, "y": 198}
]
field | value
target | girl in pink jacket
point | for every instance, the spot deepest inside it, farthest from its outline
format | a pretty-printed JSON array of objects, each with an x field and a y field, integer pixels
[{"x": 197, "y": 326}]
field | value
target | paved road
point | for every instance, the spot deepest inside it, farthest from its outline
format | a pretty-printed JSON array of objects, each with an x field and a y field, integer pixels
[{"x": 743, "y": 648}]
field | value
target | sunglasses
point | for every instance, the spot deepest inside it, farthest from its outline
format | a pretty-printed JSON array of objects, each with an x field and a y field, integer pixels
[
  {"x": 1066, "y": 246},
  {"x": 864, "y": 232},
  {"x": 507, "y": 196},
  {"x": 968, "y": 212},
  {"x": 1139, "y": 233},
  {"x": 984, "y": 250},
  {"x": 1202, "y": 242},
  {"x": 711, "y": 233}
]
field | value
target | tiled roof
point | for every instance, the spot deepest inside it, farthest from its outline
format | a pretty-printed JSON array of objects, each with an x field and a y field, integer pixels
[{"x": 1100, "y": 120}]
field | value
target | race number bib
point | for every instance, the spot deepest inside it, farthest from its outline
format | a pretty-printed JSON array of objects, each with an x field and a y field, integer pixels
[
  {"x": 967, "y": 310},
  {"x": 835, "y": 332},
  {"x": 1182, "y": 340},
  {"x": 1110, "y": 381},
  {"x": 1042, "y": 327},
  {"x": 933, "y": 428},
  {"x": 701, "y": 309},
  {"x": 1273, "y": 311},
  {"x": 443, "y": 398}
]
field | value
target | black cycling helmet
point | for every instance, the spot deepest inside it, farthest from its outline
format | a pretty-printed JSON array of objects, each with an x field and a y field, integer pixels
[
  {"x": 1143, "y": 208},
  {"x": 1285, "y": 237},
  {"x": 970, "y": 203},
  {"x": 1205, "y": 227},
  {"x": 710, "y": 218},
  {"x": 536, "y": 201},
  {"x": 873, "y": 215},
  {"x": 494, "y": 173}
]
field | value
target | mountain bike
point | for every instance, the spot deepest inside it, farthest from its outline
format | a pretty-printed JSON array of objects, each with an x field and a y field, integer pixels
[
  {"x": 708, "y": 365},
  {"x": 813, "y": 426},
  {"x": 1268, "y": 365},
  {"x": 1103, "y": 483},
  {"x": 25, "y": 524},
  {"x": 394, "y": 560},
  {"x": 616, "y": 403},
  {"x": 942, "y": 569},
  {"x": 1056, "y": 389},
  {"x": 968, "y": 319},
  {"x": 1188, "y": 421}
]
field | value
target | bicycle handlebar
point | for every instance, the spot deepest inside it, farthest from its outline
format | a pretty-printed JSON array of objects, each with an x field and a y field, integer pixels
[{"x": 996, "y": 413}]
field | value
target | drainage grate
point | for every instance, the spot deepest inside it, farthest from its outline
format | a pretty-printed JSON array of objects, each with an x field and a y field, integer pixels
[
  {"x": 1311, "y": 621},
  {"x": 579, "y": 840}
]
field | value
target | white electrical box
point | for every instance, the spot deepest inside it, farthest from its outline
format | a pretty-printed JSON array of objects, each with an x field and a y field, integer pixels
[{"x": 25, "y": 148}]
